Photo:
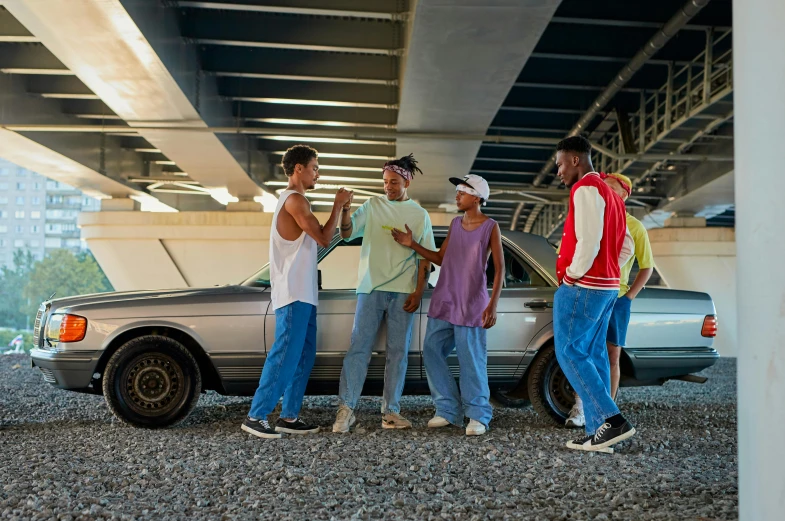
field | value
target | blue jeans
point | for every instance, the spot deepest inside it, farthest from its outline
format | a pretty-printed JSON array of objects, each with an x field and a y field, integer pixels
[
  {"x": 289, "y": 362},
  {"x": 441, "y": 338},
  {"x": 371, "y": 309},
  {"x": 580, "y": 325}
]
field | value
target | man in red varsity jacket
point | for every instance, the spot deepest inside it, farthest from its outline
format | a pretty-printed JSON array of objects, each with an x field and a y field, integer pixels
[{"x": 594, "y": 245}]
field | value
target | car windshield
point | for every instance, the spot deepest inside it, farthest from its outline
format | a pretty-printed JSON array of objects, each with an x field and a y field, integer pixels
[{"x": 261, "y": 279}]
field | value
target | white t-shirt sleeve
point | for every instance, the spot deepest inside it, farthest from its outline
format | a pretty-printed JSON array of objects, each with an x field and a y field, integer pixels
[{"x": 589, "y": 208}]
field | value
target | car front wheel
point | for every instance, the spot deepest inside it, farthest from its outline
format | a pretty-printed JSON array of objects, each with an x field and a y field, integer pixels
[
  {"x": 152, "y": 382},
  {"x": 550, "y": 393}
]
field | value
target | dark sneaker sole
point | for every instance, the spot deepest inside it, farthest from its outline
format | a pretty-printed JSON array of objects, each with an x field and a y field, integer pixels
[
  {"x": 351, "y": 422},
  {"x": 297, "y": 431},
  {"x": 260, "y": 434}
]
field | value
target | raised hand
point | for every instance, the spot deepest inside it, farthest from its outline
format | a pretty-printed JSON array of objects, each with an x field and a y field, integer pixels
[
  {"x": 344, "y": 197},
  {"x": 403, "y": 238}
]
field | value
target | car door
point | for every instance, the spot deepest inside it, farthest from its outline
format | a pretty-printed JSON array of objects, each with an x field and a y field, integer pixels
[
  {"x": 525, "y": 308},
  {"x": 338, "y": 266}
]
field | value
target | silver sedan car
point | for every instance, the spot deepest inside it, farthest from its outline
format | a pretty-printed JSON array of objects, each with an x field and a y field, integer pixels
[{"x": 151, "y": 353}]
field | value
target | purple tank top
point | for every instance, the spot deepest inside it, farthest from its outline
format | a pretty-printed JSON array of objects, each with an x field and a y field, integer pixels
[{"x": 461, "y": 294}]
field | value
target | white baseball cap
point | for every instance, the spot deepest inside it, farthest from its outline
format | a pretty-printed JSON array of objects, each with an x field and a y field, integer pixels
[{"x": 475, "y": 182}]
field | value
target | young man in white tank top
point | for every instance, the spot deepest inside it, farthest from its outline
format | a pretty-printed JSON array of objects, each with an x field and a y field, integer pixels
[{"x": 295, "y": 235}]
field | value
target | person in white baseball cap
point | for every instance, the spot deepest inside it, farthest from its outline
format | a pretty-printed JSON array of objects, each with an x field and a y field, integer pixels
[
  {"x": 473, "y": 185},
  {"x": 461, "y": 312}
]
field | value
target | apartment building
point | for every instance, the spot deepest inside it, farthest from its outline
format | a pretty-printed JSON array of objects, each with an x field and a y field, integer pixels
[{"x": 38, "y": 214}]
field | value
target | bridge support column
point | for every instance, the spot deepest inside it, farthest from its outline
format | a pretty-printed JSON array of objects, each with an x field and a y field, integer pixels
[{"x": 759, "y": 124}]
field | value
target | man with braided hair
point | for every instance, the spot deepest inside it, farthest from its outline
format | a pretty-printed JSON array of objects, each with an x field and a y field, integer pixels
[{"x": 391, "y": 282}]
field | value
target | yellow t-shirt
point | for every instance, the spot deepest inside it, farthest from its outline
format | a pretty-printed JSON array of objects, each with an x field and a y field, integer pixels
[{"x": 642, "y": 253}]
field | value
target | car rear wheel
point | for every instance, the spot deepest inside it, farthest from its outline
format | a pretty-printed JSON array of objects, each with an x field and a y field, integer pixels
[
  {"x": 152, "y": 382},
  {"x": 550, "y": 393}
]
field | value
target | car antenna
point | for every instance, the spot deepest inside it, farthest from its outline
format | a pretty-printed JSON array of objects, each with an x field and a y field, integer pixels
[{"x": 52, "y": 295}]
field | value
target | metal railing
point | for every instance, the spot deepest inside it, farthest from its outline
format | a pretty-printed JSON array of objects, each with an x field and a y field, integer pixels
[{"x": 687, "y": 92}]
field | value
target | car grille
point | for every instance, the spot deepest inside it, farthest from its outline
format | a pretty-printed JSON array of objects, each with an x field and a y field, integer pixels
[
  {"x": 37, "y": 328},
  {"x": 49, "y": 376}
]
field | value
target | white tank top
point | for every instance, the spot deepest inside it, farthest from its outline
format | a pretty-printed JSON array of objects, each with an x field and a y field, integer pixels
[{"x": 293, "y": 273}]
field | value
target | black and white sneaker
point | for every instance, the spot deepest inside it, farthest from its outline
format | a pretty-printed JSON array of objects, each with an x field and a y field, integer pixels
[
  {"x": 605, "y": 436},
  {"x": 295, "y": 427},
  {"x": 260, "y": 428},
  {"x": 577, "y": 443}
]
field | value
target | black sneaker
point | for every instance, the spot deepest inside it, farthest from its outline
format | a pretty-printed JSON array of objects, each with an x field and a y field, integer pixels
[
  {"x": 295, "y": 427},
  {"x": 260, "y": 428},
  {"x": 604, "y": 437},
  {"x": 578, "y": 443}
]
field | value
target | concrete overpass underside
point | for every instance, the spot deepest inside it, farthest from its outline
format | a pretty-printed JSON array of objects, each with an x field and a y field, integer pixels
[{"x": 188, "y": 105}]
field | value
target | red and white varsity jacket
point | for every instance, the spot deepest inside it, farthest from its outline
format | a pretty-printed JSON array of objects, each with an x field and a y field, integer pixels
[{"x": 596, "y": 241}]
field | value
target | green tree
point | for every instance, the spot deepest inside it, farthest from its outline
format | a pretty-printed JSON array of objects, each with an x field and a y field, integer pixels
[
  {"x": 12, "y": 283},
  {"x": 65, "y": 275}
]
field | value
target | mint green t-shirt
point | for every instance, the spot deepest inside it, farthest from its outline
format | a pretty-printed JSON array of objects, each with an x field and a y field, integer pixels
[{"x": 385, "y": 265}]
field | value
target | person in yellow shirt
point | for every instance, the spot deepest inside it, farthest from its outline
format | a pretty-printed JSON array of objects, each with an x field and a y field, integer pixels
[{"x": 620, "y": 318}]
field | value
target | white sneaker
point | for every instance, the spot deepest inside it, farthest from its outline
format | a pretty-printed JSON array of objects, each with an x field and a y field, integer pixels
[
  {"x": 344, "y": 419},
  {"x": 475, "y": 428},
  {"x": 436, "y": 422},
  {"x": 576, "y": 418},
  {"x": 393, "y": 420}
]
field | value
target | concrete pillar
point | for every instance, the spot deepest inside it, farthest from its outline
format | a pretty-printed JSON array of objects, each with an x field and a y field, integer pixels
[
  {"x": 120, "y": 204},
  {"x": 759, "y": 127}
]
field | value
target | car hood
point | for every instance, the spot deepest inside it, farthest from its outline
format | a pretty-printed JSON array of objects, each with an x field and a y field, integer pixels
[{"x": 126, "y": 298}]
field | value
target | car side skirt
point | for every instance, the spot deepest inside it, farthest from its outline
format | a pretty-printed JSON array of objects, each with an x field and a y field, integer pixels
[{"x": 240, "y": 372}]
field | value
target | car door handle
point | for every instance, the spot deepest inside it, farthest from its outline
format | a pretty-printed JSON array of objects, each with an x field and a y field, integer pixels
[{"x": 538, "y": 304}]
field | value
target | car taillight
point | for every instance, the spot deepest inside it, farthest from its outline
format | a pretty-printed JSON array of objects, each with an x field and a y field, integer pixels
[
  {"x": 73, "y": 328},
  {"x": 709, "y": 328}
]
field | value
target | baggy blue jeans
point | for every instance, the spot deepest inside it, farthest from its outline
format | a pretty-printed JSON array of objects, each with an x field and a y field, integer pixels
[
  {"x": 371, "y": 309},
  {"x": 473, "y": 400},
  {"x": 289, "y": 362},
  {"x": 580, "y": 325}
]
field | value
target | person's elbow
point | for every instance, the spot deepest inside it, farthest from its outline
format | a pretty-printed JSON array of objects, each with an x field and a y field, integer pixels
[{"x": 323, "y": 240}]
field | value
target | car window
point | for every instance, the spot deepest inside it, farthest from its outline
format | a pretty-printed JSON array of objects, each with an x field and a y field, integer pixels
[
  {"x": 262, "y": 277},
  {"x": 518, "y": 274},
  {"x": 339, "y": 268}
]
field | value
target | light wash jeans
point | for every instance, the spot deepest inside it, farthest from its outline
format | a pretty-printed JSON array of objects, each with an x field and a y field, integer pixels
[
  {"x": 371, "y": 309},
  {"x": 580, "y": 326},
  {"x": 289, "y": 362},
  {"x": 441, "y": 338}
]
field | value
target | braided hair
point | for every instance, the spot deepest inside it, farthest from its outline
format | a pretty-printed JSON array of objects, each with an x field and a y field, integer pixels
[{"x": 407, "y": 163}]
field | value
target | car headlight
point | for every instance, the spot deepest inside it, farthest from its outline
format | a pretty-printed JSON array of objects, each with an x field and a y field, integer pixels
[{"x": 64, "y": 327}]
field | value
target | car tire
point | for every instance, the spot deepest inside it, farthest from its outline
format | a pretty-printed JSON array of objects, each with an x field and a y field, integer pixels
[
  {"x": 550, "y": 393},
  {"x": 152, "y": 382}
]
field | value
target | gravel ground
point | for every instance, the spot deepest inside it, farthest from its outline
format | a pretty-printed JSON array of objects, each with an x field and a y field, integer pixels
[{"x": 63, "y": 457}]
